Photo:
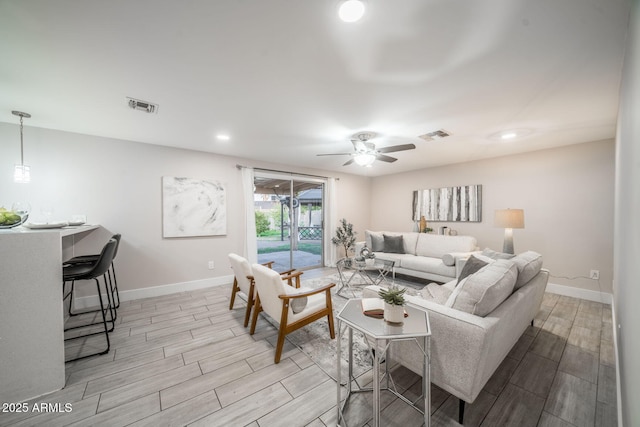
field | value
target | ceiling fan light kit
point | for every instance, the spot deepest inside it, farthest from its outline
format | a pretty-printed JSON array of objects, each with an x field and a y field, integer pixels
[
  {"x": 364, "y": 159},
  {"x": 351, "y": 10},
  {"x": 365, "y": 152}
]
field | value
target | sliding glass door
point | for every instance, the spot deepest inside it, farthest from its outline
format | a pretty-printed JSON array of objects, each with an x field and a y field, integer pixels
[{"x": 289, "y": 212}]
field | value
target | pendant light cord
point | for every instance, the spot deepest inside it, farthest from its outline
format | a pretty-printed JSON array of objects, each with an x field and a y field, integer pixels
[{"x": 21, "y": 144}]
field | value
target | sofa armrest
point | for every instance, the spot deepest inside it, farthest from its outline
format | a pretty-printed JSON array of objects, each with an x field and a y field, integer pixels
[{"x": 452, "y": 258}]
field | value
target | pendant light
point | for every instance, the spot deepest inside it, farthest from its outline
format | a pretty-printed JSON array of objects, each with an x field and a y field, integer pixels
[{"x": 21, "y": 172}]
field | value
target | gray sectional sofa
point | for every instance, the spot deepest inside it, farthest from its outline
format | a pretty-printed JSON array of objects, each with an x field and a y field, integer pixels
[
  {"x": 475, "y": 322},
  {"x": 428, "y": 256}
]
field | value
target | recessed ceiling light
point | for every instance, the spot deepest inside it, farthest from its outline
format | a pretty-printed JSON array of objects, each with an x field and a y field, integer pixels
[
  {"x": 511, "y": 134},
  {"x": 223, "y": 137},
  {"x": 351, "y": 10}
]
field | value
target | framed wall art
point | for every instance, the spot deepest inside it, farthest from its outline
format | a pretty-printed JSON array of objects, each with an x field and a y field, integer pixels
[
  {"x": 193, "y": 207},
  {"x": 462, "y": 203}
]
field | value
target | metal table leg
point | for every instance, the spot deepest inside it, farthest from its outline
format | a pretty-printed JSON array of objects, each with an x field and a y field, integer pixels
[{"x": 376, "y": 386}]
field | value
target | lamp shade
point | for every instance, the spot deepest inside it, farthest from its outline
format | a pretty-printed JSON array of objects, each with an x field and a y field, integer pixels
[{"x": 509, "y": 218}]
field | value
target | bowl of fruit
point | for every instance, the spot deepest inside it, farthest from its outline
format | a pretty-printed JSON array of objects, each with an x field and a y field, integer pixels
[{"x": 13, "y": 217}]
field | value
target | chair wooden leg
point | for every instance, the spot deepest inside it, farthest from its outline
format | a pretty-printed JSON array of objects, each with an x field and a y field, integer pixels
[
  {"x": 460, "y": 411},
  {"x": 332, "y": 330},
  {"x": 256, "y": 310},
  {"x": 233, "y": 293},
  {"x": 280, "y": 344},
  {"x": 247, "y": 314}
]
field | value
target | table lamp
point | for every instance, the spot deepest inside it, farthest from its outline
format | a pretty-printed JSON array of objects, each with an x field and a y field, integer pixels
[{"x": 509, "y": 219}]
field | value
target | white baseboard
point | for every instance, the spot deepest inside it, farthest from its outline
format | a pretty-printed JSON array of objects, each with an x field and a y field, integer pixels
[
  {"x": 585, "y": 294},
  {"x": 81, "y": 303}
]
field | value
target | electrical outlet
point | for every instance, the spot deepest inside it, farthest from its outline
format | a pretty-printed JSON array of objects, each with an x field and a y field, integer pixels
[
  {"x": 594, "y": 274},
  {"x": 211, "y": 265}
]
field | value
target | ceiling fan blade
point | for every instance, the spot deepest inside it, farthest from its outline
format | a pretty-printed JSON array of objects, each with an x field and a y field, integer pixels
[
  {"x": 348, "y": 162},
  {"x": 384, "y": 158},
  {"x": 335, "y": 154},
  {"x": 395, "y": 148}
]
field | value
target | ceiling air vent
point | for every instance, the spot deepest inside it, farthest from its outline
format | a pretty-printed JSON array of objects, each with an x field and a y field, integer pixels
[
  {"x": 436, "y": 134},
  {"x": 145, "y": 106}
]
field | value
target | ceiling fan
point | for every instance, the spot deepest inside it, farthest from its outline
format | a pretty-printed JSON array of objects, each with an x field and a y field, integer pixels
[{"x": 365, "y": 152}]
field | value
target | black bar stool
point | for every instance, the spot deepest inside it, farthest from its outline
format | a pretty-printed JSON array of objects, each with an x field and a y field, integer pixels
[
  {"x": 93, "y": 271},
  {"x": 113, "y": 282}
]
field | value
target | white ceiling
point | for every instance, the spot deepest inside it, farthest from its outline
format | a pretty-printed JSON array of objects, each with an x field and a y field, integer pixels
[{"x": 287, "y": 80}]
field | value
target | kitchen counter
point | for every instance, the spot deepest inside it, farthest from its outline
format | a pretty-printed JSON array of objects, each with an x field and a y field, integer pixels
[{"x": 31, "y": 309}]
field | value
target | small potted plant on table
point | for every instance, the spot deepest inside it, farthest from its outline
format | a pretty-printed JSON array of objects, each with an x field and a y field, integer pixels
[{"x": 393, "y": 304}]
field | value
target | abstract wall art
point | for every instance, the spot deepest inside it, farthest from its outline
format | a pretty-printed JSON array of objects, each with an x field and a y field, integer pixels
[
  {"x": 193, "y": 207},
  {"x": 462, "y": 203}
]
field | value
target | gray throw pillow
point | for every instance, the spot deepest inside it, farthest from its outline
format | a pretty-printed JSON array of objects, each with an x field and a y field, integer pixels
[
  {"x": 472, "y": 265},
  {"x": 298, "y": 304},
  {"x": 377, "y": 242},
  {"x": 393, "y": 244}
]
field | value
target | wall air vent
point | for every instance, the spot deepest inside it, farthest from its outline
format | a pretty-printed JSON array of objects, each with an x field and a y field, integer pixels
[
  {"x": 146, "y": 106},
  {"x": 437, "y": 134}
]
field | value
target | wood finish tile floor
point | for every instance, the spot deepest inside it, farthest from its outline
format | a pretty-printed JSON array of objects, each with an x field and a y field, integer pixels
[{"x": 185, "y": 359}]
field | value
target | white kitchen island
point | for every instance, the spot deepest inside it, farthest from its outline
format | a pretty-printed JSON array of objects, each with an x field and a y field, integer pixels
[{"x": 31, "y": 309}]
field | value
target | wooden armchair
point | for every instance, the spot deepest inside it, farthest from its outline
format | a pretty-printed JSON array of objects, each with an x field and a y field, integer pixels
[
  {"x": 243, "y": 281},
  {"x": 276, "y": 299}
]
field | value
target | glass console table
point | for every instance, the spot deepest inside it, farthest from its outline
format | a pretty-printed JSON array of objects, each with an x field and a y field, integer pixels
[
  {"x": 372, "y": 271},
  {"x": 414, "y": 328}
]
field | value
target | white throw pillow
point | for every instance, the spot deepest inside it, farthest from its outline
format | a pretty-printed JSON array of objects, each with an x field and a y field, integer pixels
[
  {"x": 436, "y": 293},
  {"x": 483, "y": 291}
]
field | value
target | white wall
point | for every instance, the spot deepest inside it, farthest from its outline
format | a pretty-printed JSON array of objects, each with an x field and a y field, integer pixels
[
  {"x": 118, "y": 185},
  {"x": 627, "y": 229},
  {"x": 566, "y": 194}
]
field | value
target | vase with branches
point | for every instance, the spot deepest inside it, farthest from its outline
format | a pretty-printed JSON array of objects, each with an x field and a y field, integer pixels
[{"x": 345, "y": 236}]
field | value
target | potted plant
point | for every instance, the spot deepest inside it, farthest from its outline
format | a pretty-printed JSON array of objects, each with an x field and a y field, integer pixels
[
  {"x": 345, "y": 236},
  {"x": 393, "y": 304}
]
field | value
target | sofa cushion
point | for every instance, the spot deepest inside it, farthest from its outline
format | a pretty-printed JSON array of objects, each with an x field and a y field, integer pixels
[
  {"x": 496, "y": 255},
  {"x": 393, "y": 244},
  {"x": 410, "y": 240},
  {"x": 436, "y": 293},
  {"x": 435, "y": 245},
  {"x": 427, "y": 265},
  {"x": 529, "y": 264},
  {"x": 481, "y": 292},
  {"x": 374, "y": 240},
  {"x": 472, "y": 265},
  {"x": 398, "y": 258}
]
